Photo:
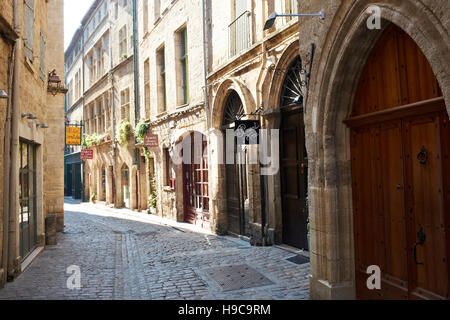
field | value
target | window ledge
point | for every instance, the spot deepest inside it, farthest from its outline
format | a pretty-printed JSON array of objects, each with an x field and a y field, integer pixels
[
  {"x": 183, "y": 106},
  {"x": 168, "y": 189},
  {"x": 161, "y": 114}
]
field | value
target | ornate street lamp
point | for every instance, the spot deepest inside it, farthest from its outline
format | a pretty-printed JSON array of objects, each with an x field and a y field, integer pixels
[
  {"x": 54, "y": 84},
  {"x": 271, "y": 20}
]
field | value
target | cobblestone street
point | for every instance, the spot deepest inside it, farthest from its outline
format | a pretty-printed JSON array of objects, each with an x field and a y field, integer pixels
[{"x": 129, "y": 255}]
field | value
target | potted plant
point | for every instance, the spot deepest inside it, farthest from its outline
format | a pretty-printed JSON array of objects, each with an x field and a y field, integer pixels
[{"x": 93, "y": 197}]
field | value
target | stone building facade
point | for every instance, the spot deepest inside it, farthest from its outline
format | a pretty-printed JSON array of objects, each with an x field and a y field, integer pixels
[
  {"x": 172, "y": 101},
  {"x": 100, "y": 78},
  {"x": 32, "y": 143},
  {"x": 245, "y": 78},
  {"x": 336, "y": 58}
]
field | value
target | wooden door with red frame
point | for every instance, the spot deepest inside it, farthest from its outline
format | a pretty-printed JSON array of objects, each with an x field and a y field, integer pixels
[
  {"x": 400, "y": 174},
  {"x": 196, "y": 182}
]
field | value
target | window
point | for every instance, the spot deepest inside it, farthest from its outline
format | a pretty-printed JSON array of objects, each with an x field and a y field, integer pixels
[
  {"x": 291, "y": 8},
  {"x": 157, "y": 9},
  {"x": 100, "y": 117},
  {"x": 70, "y": 95},
  {"x": 239, "y": 29},
  {"x": 145, "y": 16},
  {"x": 182, "y": 67},
  {"x": 42, "y": 51},
  {"x": 147, "y": 87},
  {"x": 77, "y": 86},
  {"x": 162, "y": 96},
  {"x": 123, "y": 42},
  {"x": 29, "y": 28},
  {"x": 168, "y": 166},
  {"x": 125, "y": 104},
  {"x": 116, "y": 10}
]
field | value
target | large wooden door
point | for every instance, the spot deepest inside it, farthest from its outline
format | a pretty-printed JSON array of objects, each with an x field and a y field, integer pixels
[
  {"x": 399, "y": 160},
  {"x": 235, "y": 170},
  {"x": 294, "y": 179}
]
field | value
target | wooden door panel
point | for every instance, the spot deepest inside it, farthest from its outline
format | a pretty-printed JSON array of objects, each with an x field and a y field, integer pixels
[
  {"x": 425, "y": 202},
  {"x": 392, "y": 189}
]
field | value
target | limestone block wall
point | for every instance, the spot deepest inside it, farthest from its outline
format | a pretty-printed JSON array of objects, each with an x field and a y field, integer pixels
[{"x": 5, "y": 54}]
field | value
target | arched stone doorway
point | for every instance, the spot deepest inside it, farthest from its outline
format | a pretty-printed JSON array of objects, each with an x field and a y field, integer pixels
[
  {"x": 125, "y": 185},
  {"x": 235, "y": 169},
  {"x": 344, "y": 51},
  {"x": 399, "y": 159},
  {"x": 293, "y": 159}
]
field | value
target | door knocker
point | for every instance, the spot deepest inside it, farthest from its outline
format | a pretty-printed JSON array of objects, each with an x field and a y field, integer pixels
[{"x": 422, "y": 156}]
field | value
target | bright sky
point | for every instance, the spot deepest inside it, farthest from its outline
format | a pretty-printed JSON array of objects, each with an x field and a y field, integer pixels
[{"x": 74, "y": 11}]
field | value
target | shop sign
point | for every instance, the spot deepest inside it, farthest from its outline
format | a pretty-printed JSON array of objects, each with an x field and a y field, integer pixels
[
  {"x": 151, "y": 140},
  {"x": 73, "y": 136},
  {"x": 87, "y": 154}
]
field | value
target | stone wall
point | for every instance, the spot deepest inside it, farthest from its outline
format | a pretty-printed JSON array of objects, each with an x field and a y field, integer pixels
[{"x": 33, "y": 97}]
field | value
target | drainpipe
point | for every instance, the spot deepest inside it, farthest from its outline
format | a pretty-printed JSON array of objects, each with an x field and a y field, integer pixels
[
  {"x": 113, "y": 115},
  {"x": 83, "y": 123},
  {"x": 6, "y": 170},
  {"x": 136, "y": 99},
  {"x": 12, "y": 228},
  {"x": 136, "y": 64}
]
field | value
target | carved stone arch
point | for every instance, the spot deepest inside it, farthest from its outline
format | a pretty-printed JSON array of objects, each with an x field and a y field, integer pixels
[
  {"x": 344, "y": 51},
  {"x": 287, "y": 57},
  {"x": 223, "y": 92}
]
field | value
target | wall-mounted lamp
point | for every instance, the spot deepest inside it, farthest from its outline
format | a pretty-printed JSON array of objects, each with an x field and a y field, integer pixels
[
  {"x": 55, "y": 84},
  {"x": 271, "y": 20},
  {"x": 3, "y": 94},
  {"x": 29, "y": 116},
  {"x": 42, "y": 125}
]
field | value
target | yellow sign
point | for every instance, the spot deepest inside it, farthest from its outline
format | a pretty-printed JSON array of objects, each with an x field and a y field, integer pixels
[{"x": 73, "y": 136}]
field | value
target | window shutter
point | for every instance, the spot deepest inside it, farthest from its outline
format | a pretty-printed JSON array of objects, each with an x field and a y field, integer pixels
[
  {"x": 29, "y": 28},
  {"x": 42, "y": 52}
]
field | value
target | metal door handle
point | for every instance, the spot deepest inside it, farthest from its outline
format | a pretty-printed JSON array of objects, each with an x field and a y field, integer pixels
[
  {"x": 421, "y": 237},
  {"x": 415, "y": 253}
]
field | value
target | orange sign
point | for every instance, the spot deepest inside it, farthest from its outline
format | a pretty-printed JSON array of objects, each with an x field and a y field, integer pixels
[{"x": 73, "y": 136}]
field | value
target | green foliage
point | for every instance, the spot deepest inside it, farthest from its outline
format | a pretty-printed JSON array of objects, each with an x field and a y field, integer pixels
[
  {"x": 152, "y": 200},
  {"x": 124, "y": 132},
  {"x": 93, "y": 197},
  {"x": 90, "y": 140},
  {"x": 141, "y": 130}
]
